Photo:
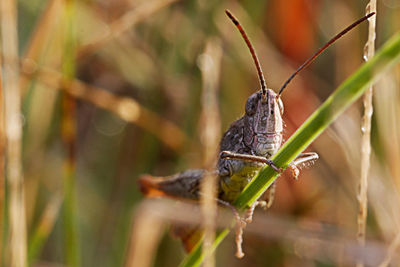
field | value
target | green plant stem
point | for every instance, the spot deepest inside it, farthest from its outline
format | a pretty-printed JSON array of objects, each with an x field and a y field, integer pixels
[
  {"x": 346, "y": 94},
  {"x": 68, "y": 132}
]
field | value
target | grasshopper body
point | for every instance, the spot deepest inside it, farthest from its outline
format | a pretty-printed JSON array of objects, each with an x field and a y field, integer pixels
[
  {"x": 244, "y": 148},
  {"x": 259, "y": 133}
]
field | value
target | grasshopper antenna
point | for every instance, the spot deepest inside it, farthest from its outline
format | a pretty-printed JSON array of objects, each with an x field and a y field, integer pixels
[
  {"x": 252, "y": 51},
  {"x": 311, "y": 59}
]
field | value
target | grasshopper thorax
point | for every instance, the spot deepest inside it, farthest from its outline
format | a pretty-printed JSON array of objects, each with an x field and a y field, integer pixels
[{"x": 263, "y": 123}]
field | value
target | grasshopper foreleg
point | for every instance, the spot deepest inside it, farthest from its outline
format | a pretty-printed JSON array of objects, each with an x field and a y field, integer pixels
[{"x": 251, "y": 158}]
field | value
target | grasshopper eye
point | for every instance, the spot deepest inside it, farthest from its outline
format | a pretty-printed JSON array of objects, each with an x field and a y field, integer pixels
[
  {"x": 280, "y": 104},
  {"x": 251, "y": 105}
]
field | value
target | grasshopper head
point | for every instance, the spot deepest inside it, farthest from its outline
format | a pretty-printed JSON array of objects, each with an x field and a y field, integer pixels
[
  {"x": 263, "y": 118},
  {"x": 263, "y": 123}
]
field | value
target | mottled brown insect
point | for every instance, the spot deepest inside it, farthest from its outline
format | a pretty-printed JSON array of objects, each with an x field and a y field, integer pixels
[{"x": 244, "y": 149}]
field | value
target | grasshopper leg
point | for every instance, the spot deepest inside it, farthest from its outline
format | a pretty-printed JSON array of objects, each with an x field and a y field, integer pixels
[
  {"x": 250, "y": 211},
  {"x": 303, "y": 158},
  {"x": 252, "y": 158},
  {"x": 265, "y": 204},
  {"x": 271, "y": 195},
  {"x": 240, "y": 225}
]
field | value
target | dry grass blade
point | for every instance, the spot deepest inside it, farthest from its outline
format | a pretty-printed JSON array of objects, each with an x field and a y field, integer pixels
[
  {"x": 123, "y": 24},
  {"x": 145, "y": 235},
  {"x": 13, "y": 130},
  {"x": 366, "y": 133},
  {"x": 124, "y": 107},
  {"x": 210, "y": 68}
]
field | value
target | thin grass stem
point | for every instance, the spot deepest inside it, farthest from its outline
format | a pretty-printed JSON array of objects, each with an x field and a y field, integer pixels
[
  {"x": 369, "y": 51},
  {"x": 13, "y": 130},
  {"x": 68, "y": 132},
  {"x": 210, "y": 62}
]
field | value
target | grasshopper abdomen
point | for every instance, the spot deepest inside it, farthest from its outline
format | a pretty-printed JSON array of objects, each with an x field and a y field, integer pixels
[{"x": 184, "y": 185}]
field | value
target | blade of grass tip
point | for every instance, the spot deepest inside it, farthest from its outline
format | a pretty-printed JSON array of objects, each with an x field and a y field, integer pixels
[
  {"x": 369, "y": 51},
  {"x": 209, "y": 63},
  {"x": 348, "y": 92},
  {"x": 68, "y": 132},
  {"x": 13, "y": 131}
]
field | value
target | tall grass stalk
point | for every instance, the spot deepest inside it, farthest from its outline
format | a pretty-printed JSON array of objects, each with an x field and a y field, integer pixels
[
  {"x": 210, "y": 62},
  {"x": 369, "y": 52},
  {"x": 68, "y": 132},
  {"x": 13, "y": 131},
  {"x": 348, "y": 92}
]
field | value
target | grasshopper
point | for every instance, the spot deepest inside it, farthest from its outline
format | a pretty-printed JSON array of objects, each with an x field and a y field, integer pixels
[{"x": 244, "y": 149}]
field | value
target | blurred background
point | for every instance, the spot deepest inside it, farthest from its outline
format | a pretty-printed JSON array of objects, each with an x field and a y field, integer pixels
[{"x": 115, "y": 89}]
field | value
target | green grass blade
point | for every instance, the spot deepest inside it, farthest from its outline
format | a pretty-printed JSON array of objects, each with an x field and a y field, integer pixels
[
  {"x": 345, "y": 95},
  {"x": 68, "y": 132},
  {"x": 196, "y": 256}
]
